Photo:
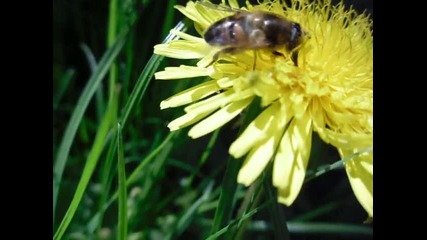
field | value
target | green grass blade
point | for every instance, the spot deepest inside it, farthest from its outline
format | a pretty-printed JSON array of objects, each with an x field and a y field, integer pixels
[
  {"x": 89, "y": 57},
  {"x": 170, "y": 12},
  {"x": 134, "y": 176},
  {"x": 330, "y": 229},
  {"x": 229, "y": 184},
  {"x": 228, "y": 227},
  {"x": 163, "y": 147},
  {"x": 226, "y": 199},
  {"x": 336, "y": 164},
  {"x": 314, "y": 213},
  {"x": 122, "y": 222},
  {"x": 99, "y": 95},
  {"x": 204, "y": 157},
  {"x": 185, "y": 220},
  {"x": 250, "y": 202},
  {"x": 106, "y": 177},
  {"x": 112, "y": 22},
  {"x": 147, "y": 74},
  {"x": 65, "y": 81},
  {"x": 111, "y": 37},
  {"x": 137, "y": 94},
  {"x": 280, "y": 226},
  {"x": 78, "y": 112},
  {"x": 89, "y": 168},
  {"x": 253, "y": 195},
  {"x": 129, "y": 49}
]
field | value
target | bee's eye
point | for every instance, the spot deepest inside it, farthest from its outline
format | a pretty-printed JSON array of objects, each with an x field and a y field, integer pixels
[
  {"x": 295, "y": 32},
  {"x": 211, "y": 34},
  {"x": 215, "y": 35},
  {"x": 295, "y": 37},
  {"x": 218, "y": 32}
]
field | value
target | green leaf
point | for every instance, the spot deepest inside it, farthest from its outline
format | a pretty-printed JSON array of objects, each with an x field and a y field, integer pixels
[
  {"x": 78, "y": 112},
  {"x": 185, "y": 220},
  {"x": 147, "y": 74},
  {"x": 163, "y": 147},
  {"x": 228, "y": 227},
  {"x": 317, "y": 212},
  {"x": 250, "y": 202},
  {"x": 99, "y": 95},
  {"x": 170, "y": 12},
  {"x": 205, "y": 156},
  {"x": 279, "y": 220},
  {"x": 330, "y": 229},
  {"x": 92, "y": 160},
  {"x": 136, "y": 95},
  {"x": 229, "y": 184},
  {"x": 122, "y": 223},
  {"x": 336, "y": 164},
  {"x": 106, "y": 177},
  {"x": 64, "y": 82}
]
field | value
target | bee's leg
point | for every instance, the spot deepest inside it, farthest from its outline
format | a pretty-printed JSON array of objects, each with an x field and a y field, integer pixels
[
  {"x": 222, "y": 51},
  {"x": 294, "y": 57},
  {"x": 278, "y": 54}
]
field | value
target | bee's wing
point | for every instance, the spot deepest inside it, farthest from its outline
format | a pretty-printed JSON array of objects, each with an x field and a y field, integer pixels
[{"x": 219, "y": 7}]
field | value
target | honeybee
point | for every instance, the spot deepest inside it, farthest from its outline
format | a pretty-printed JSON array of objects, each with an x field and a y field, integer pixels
[{"x": 255, "y": 30}]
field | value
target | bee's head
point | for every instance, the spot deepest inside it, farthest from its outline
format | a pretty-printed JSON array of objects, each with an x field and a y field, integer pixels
[
  {"x": 296, "y": 36},
  {"x": 214, "y": 35}
]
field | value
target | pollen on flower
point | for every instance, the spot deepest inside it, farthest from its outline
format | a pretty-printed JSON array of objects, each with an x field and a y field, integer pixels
[{"x": 327, "y": 90}]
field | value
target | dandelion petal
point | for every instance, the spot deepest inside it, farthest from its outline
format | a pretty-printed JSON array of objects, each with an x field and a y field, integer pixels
[
  {"x": 219, "y": 118},
  {"x": 182, "y": 72},
  {"x": 254, "y": 132},
  {"x": 187, "y": 119},
  {"x": 256, "y": 161},
  {"x": 261, "y": 153},
  {"x": 190, "y": 95},
  {"x": 291, "y": 160},
  {"x": 360, "y": 173},
  {"x": 181, "y": 50},
  {"x": 218, "y": 101}
]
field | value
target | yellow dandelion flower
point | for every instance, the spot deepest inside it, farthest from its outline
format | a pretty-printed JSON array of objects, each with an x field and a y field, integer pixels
[{"x": 328, "y": 91}]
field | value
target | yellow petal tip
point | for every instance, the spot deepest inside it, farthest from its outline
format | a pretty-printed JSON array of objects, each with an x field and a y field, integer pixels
[
  {"x": 173, "y": 127},
  {"x": 234, "y": 152},
  {"x": 164, "y": 105},
  {"x": 242, "y": 179},
  {"x": 285, "y": 200},
  {"x": 194, "y": 133}
]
